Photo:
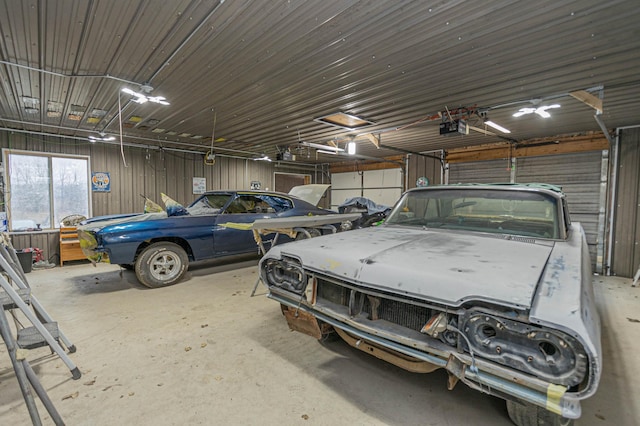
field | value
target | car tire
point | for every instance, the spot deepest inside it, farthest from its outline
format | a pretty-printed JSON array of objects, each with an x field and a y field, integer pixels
[
  {"x": 328, "y": 338},
  {"x": 524, "y": 414},
  {"x": 312, "y": 232},
  {"x": 328, "y": 334},
  {"x": 161, "y": 264}
]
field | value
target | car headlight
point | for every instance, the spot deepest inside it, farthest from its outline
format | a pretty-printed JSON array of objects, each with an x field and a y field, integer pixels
[
  {"x": 286, "y": 273},
  {"x": 546, "y": 353}
]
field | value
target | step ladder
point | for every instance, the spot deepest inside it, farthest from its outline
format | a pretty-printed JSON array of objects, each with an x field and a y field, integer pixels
[{"x": 15, "y": 295}]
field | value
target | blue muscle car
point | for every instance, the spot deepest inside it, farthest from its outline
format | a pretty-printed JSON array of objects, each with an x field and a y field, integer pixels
[{"x": 159, "y": 246}]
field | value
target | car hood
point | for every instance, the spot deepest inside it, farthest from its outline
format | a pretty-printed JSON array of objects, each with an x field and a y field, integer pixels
[
  {"x": 311, "y": 193},
  {"x": 449, "y": 268},
  {"x": 97, "y": 223}
]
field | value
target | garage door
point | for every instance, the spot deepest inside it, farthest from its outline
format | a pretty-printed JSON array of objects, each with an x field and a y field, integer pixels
[
  {"x": 381, "y": 186},
  {"x": 492, "y": 171},
  {"x": 578, "y": 174}
]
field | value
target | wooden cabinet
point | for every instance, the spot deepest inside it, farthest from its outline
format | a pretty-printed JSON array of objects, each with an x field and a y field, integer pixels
[{"x": 70, "y": 245}]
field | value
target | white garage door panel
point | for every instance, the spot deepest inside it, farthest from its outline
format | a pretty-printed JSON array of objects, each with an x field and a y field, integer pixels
[
  {"x": 382, "y": 178},
  {"x": 380, "y": 186},
  {"x": 345, "y": 180},
  {"x": 384, "y": 196}
]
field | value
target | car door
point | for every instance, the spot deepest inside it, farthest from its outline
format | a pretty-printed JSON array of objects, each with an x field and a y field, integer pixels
[{"x": 233, "y": 233}]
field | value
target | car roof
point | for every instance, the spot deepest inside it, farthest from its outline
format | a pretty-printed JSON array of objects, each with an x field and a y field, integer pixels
[
  {"x": 555, "y": 189},
  {"x": 247, "y": 191}
]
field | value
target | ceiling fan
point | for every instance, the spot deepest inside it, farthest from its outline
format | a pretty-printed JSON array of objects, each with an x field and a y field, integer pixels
[
  {"x": 142, "y": 98},
  {"x": 102, "y": 138},
  {"x": 541, "y": 110}
]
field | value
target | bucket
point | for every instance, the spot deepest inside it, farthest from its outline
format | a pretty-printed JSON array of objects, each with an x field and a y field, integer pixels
[{"x": 26, "y": 259}]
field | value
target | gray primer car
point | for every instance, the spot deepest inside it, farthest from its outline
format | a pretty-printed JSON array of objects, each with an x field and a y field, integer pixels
[{"x": 491, "y": 282}]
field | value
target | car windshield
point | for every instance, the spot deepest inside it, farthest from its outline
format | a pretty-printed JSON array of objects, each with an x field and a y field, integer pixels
[
  {"x": 208, "y": 204},
  {"x": 525, "y": 213}
]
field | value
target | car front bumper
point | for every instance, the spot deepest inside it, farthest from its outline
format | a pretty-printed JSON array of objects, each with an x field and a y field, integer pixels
[
  {"x": 90, "y": 248},
  {"x": 476, "y": 373}
]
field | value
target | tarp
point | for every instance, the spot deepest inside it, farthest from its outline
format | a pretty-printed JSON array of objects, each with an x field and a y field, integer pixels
[{"x": 362, "y": 202}]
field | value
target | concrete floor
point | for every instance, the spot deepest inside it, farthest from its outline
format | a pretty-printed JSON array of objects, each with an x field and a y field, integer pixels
[{"x": 204, "y": 352}]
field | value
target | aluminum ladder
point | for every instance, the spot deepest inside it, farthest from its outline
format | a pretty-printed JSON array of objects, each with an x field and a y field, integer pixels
[{"x": 44, "y": 331}]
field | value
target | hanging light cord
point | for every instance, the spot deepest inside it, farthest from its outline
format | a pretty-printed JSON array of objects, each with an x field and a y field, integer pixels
[
  {"x": 213, "y": 132},
  {"x": 124, "y": 160}
]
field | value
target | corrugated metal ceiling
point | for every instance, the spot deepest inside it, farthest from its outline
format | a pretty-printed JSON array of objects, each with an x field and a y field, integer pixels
[{"x": 268, "y": 68}]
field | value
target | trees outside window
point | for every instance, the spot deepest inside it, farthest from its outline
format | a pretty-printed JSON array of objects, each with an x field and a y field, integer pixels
[{"x": 45, "y": 188}]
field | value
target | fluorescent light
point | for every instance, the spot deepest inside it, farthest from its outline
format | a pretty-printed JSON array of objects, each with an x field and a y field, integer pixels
[
  {"x": 322, "y": 151},
  {"x": 351, "y": 148},
  {"x": 497, "y": 126},
  {"x": 319, "y": 146},
  {"x": 101, "y": 138}
]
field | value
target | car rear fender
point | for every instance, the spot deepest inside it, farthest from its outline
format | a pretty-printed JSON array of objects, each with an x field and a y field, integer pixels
[{"x": 565, "y": 300}]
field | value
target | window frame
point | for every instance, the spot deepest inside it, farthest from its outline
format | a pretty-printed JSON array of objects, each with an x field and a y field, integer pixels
[{"x": 7, "y": 152}]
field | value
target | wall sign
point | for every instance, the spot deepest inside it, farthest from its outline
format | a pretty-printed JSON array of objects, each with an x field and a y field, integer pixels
[
  {"x": 255, "y": 184},
  {"x": 199, "y": 185},
  {"x": 422, "y": 182},
  {"x": 100, "y": 182}
]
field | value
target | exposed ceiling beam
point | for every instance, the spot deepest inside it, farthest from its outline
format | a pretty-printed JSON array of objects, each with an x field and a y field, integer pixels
[
  {"x": 589, "y": 99},
  {"x": 545, "y": 146}
]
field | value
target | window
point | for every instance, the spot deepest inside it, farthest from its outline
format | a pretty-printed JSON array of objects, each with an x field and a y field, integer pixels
[
  {"x": 258, "y": 204},
  {"x": 524, "y": 213},
  {"x": 208, "y": 204},
  {"x": 45, "y": 188}
]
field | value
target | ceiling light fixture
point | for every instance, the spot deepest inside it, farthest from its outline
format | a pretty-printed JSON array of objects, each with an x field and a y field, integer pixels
[
  {"x": 497, "y": 126},
  {"x": 322, "y": 147},
  {"x": 322, "y": 151},
  {"x": 142, "y": 98},
  {"x": 541, "y": 111},
  {"x": 351, "y": 148},
  {"x": 101, "y": 138},
  {"x": 263, "y": 157}
]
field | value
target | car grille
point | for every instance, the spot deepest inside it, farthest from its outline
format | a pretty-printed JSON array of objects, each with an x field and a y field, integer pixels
[{"x": 397, "y": 312}]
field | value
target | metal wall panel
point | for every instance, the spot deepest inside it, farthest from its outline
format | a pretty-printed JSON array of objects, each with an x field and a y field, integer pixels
[
  {"x": 480, "y": 172},
  {"x": 579, "y": 176},
  {"x": 421, "y": 166},
  {"x": 48, "y": 242},
  {"x": 626, "y": 239},
  {"x": 149, "y": 172}
]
